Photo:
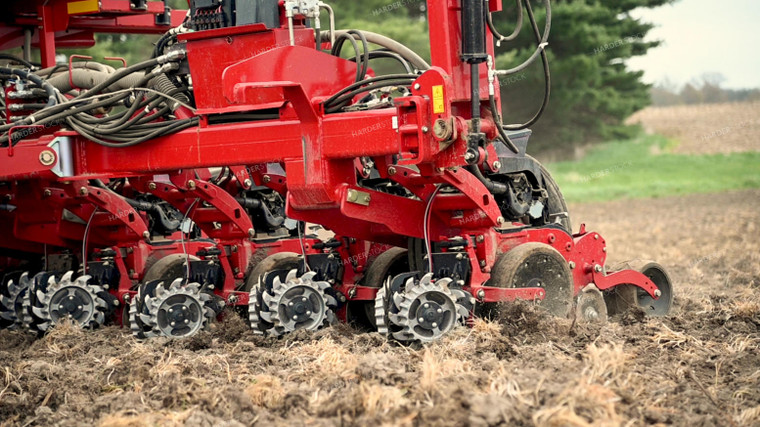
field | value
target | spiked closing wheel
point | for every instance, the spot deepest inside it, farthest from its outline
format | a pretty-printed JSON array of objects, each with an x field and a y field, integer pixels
[
  {"x": 423, "y": 311},
  {"x": 277, "y": 307},
  {"x": 12, "y": 300},
  {"x": 622, "y": 297},
  {"x": 537, "y": 265},
  {"x": 76, "y": 300},
  {"x": 175, "y": 311}
]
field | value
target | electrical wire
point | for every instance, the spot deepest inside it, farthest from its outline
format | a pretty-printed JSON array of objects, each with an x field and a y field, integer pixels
[
  {"x": 426, "y": 226},
  {"x": 84, "y": 241},
  {"x": 518, "y": 26},
  {"x": 182, "y": 240},
  {"x": 545, "y": 63}
]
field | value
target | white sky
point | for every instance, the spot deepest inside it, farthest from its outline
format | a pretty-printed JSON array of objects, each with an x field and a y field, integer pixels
[{"x": 704, "y": 36}]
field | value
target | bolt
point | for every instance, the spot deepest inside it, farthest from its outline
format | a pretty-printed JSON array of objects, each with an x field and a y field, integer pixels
[
  {"x": 420, "y": 320},
  {"x": 187, "y": 321},
  {"x": 191, "y": 185},
  {"x": 127, "y": 298},
  {"x": 417, "y": 86},
  {"x": 657, "y": 293},
  {"x": 391, "y": 170},
  {"x": 469, "y": 156},
  {"x": 598, "y": 268},
  {"x": 295, "y": 317},
  {"x": 497, "y": 165},
  {"x": 367, "y": 198},
  {"x": 171, "y": 310},
  {"x": 596, "y": 237},
  {"x": 152, "y": 186},
  {"x": 47, "y": 193},
  {"x": 426, "y": 305},
  {"x": 173, "y": 323},
  {"x": 500, "y": 220},
  {"x": 185, "y": 308},
  {"x": 572, "y": 265},
  {"x": 71, "y": 298},
  {"x": 440, "y": 310},
  {"x": 460, "y": 256},
  {"x": 480, "y": 238},
  {"x": 251, "y": 233},
  {"x": 83, "y": 191},
  {"x": 481, "y": 294},
  {"x": 47, "y": 157},
  {"x": 435, "y": 325},
  {"x": 483, "y": 263},
  {"x": 308, "y": 312},
  {"x": 425, "y": 129},
  {"x": 604, "y": 249},
  {"x": 266, "y": 179},
  {"x": 146, "y": 235},
  {"x": 247, "y": 183},
  {"x": 291, "y": 304},
  {"x": 351, "y": 195}
]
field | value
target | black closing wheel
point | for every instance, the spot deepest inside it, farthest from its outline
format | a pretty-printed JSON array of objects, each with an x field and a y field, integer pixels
[
  {"x": 620, "y": 298},
  {"x": 533, "y": 265}
]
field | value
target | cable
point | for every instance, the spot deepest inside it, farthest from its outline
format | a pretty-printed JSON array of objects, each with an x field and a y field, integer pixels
[
  {"x": 547, "y": 72},
  {"x": 543, "y": 42},
  {"x": 84, "y": 241},
  {"x": 518, "y": 26},
  {"x": 17, "y": 60},
  {"x": 303, "y": 247},
  {"x": 182, "y": 240},
  {"x": 382, "y": 53},
  {"x": 499, "y": 127},
  {"x": 364, "y": 57},
  {"x": 426, "y": 226},
  {"x": 50, "y": 90}
]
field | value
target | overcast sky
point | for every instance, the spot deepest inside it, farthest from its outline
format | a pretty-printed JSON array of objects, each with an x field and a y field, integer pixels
[{"x": 704, "y": 36}]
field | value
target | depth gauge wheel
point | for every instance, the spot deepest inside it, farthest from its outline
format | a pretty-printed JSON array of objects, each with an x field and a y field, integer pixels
[
  {"x": 536, "y": 265},
  {"x": 620, "y": 298}
]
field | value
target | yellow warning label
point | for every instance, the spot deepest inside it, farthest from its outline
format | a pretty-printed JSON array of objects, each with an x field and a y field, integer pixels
[
  {"x": 83, "y": 6},
  {"x": 438, "y": 105}
]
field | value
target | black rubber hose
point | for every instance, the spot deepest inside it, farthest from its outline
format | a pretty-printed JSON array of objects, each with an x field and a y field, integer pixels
[
  {"x": 17, "y": 60},
  {"x": 50, "y": 90},
  {"x": 361, "y": 71},
  {"x": 340, "y": 102},
  {"x": 547, "y": 73},
  {"x": 341, "y": 94},
  {"x": 518, "y": 26},
  {"x": 541, "y": 44},
  {"x": 497, "y": 120},
  {"x": 491, "y": 186},
  {"x": 375, "y": 54},
  {"x": 255, "y": 204}
]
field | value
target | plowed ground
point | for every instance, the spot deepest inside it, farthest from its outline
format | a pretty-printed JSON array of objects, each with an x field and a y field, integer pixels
[{"x": 699, "y": 366}]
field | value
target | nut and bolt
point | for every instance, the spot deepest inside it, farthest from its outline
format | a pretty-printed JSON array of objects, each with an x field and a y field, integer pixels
[
  {"x": 483, "y": 263},
  {"x": 598, "y": 268},
  {"x": 391, "y": 170},
  {"x": 251, "y": 233},
  {"x": 47, "y": 193},
  {"x": 146, "y": 235},
  {"x": 267, "y": 179},
  {"x": 47, "y": 158},
  {"x": 233, "y": 299},
  {"x": 83, "y": 191},
  {"x": 481, "y": 294},
  {"x": 469, "y": 156},
  {"x": 657, "y": 293},
  {"x": 247, "y": 183},
  {"x": 572, "y": 265},
  {"x": 480, "y": 238},
  {"x": 152, "y": 186},
  {"x": 352, "y": 293},
  {"x": 500, "y": 220},
  {"x": 191, "y": 185},
  {"x": 596, "y": 237},
  {"x": 425, "y": 129},
  {"x": 497, "y": 165},
  {"x": 417, "y": 86}
]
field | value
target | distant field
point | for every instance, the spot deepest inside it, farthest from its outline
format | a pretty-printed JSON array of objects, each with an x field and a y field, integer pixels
[
  {"x": 705, "y": 129},
  {"x": 651, "y": 166}
]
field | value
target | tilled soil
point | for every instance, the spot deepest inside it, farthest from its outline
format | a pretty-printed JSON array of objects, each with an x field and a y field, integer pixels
[{"x": 699, "y": 366}]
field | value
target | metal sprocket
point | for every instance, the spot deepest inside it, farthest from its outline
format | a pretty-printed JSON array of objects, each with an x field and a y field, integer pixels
[
  {"x": 297, "y": 303},
  {"x": 175, "y": 311},
  {"x": 427, "y": 310},
  {"x": 12, "y": 304},
  {"x": 77, "y": 300}
]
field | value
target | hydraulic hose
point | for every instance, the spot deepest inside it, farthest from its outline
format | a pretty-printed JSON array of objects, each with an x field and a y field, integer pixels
[
  {"x": 492, "y": 186},
  {"x": 542, "y": 42},
  {"x": 49, "y": 89},
  {"x": 547, "y": 71},
  {"x": 518, "y": 26},
  {"x": 393, "y": 46}
]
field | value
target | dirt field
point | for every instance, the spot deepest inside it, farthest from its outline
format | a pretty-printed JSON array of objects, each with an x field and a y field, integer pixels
[
  {"x": 698, "y": 367},
  {"x": 706, "y": 129}
]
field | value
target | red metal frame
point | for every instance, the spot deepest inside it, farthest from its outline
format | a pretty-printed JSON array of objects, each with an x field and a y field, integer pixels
[{"x": 250, "y": 69}]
